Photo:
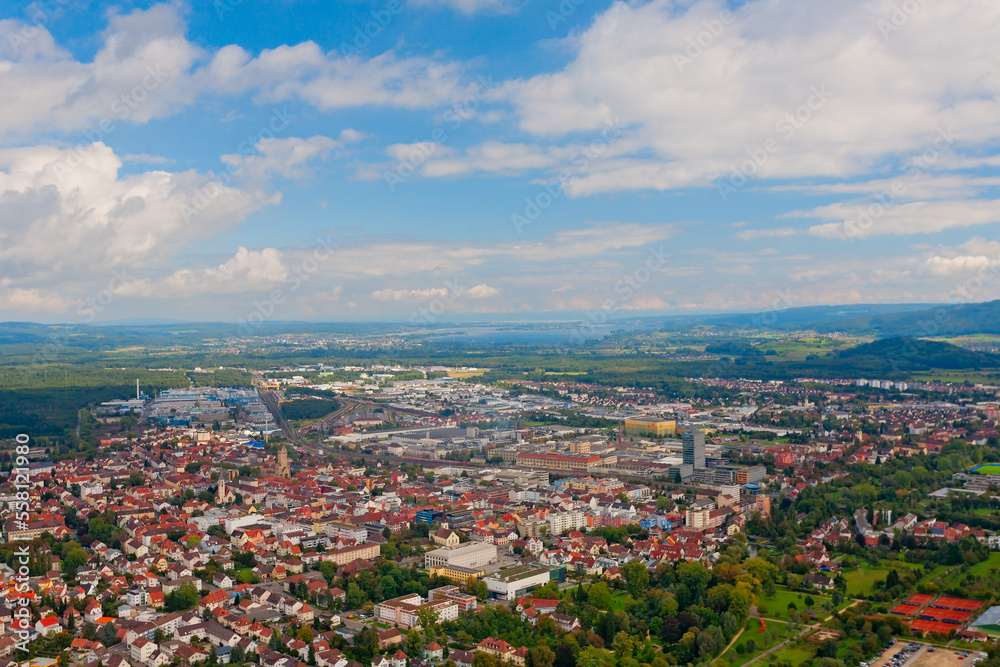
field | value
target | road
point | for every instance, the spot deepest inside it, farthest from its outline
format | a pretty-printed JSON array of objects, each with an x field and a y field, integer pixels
[{"x": 271, "y": 401}]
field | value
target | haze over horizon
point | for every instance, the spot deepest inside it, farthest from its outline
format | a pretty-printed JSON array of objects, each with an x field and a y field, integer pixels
[{"x": 493, "y": 159}]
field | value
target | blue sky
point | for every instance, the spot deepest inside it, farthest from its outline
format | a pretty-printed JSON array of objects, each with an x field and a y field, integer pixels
[{"x": 493, "y": 159}]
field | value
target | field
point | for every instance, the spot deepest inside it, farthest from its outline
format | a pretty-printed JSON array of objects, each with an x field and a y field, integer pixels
[
  {"x": 863, "y": 579},
  {"x": 776, "y": 606},
  {"x": 987, "y": 469},
  {"x": 794, "y": 654},
  {"x": 776, "y": 633}
]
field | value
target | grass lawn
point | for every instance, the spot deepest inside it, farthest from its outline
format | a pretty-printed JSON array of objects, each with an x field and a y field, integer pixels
[
  {"x": 989, "y": 469},
  {"x": 619, "y": 600},
  {"x": 983, "y": 569},
  {"x": 777, "y": 632},
  {"x": 777, "y": 605},
  {"x": 862, "y": 580},
  {"x": 796, "y": 654}
]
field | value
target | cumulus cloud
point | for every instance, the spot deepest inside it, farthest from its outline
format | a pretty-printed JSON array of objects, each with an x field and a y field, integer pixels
[
  {"x": 69, "y": 214},
  {"x": 703, "y": 90},
  {"x": 146, "y": 68}
]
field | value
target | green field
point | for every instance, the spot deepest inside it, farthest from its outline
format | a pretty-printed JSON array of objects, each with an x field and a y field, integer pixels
[
  {"x": 863, "y": 579},
  {"x": 778, "y": 632},
  {"x": 989, "y": 469},
  {"x": 777, "y": 605},
  {"x": 796, "y": 654}
]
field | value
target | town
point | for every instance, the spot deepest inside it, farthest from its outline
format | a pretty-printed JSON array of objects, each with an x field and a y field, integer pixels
[{"x": 400, "y": 516}]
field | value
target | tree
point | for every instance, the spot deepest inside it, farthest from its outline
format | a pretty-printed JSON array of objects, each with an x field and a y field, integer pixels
[
  {"x": 305, "y": 634},
  {"x": 182, "y": 599},
  {"x": 595, "y": 657},
  {"x": 636, "y": 578},
  {"x": 599, "y": 595},
  {"x": 238, "y": 655},
  {"x": 414, "y": 643},
  {"x": 541, "y": 656},
  {"x": 365, "y": 645},
  {"x": 328, "y": 569},
  {"x": 485, "y": 660},
  {"x": 355, "y": 597},
  {"x": 108, "y": 635},
  {"x": 428, "y": 619}
]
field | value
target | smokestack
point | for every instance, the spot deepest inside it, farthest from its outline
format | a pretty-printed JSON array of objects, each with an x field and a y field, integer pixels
[{"x": 137, "y": 388}]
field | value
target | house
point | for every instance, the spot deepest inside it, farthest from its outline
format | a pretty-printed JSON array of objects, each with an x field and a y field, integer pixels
[
  {"x": 446, "y": 538},
  {"x": 398, "y": 659},
  {"x": 48, "y": 626},
  {"x": 462, "y": 658},
  {"x": 142, "y": 649},
  {"x": 433, "y": 651},
  {"x": 388, "y": 638},
  {"x": 565, "y": 622},
  {"x": 820, "y": 581},
  {"x": 223, "y": 580}
]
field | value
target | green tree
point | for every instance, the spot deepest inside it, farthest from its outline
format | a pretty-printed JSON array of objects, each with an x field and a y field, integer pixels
[
  {"x": 414, "y": 643},
  {"x": 595, "y": 657},
  {"x": 636, "y": 578},
  {"x": 541, "y": 656},
  {"x": 355, "y": 597},
  {"x": 599, "y": 595},
  {"x": 328, "y": 569}
]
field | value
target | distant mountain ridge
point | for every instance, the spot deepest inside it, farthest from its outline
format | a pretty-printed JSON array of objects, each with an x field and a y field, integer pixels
[
  {"x": 904, "y": 353},
  {"x": 955, "y": 320}
]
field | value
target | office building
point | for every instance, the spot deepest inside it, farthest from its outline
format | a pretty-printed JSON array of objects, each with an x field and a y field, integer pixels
[{"x": 693, "y": 448}]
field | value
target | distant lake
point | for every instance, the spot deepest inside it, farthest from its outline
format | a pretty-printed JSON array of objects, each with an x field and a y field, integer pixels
[{"x": 569, "y": 335}]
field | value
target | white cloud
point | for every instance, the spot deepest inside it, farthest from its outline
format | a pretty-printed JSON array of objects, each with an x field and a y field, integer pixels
[
  {"x": 69, "y": 215},
  {"x": 975, "y": 255},
  {"x": 33, "y": 301},
  {"x": 470, "y": 7},
  {"x": 146, "y": 68},
  {"x": 287, "y": 157},
  {"x": 860, "y": 221},
  {"x": 697, "y": 119}
]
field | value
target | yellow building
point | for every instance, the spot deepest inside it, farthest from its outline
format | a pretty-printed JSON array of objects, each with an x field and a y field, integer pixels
[
  {"x": 460, "y": 575},
  {"x": 655, "y": 427}
]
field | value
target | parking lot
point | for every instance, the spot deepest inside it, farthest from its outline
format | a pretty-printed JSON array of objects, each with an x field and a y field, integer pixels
[{"x": 898, "y": 656}]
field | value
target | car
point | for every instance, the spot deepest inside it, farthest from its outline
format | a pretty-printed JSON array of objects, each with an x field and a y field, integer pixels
[{"x": 932, "y": 649}]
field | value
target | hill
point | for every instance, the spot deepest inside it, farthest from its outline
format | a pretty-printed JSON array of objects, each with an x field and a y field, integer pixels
[
  {"x": 960, "y": 319},
  {"x": 914, "y": 354}
]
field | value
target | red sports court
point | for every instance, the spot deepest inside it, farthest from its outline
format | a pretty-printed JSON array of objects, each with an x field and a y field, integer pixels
[
  {"x": 933, "y": 626},
  {"x": 905, "y": 609},
  {"x": 919, "y": 599},
  {"x": 958, "y": 603},
  {"x": 946, "y": 615}
]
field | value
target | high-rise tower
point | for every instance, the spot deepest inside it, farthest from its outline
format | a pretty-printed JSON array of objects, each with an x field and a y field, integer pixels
[{"x": 693, "y": 450}]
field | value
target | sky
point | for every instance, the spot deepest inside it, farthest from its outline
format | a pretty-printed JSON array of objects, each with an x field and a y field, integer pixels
[{"x": 438, "y": 160}]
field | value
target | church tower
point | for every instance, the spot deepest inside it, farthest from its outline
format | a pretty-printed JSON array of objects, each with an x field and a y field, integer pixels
[{"x": 283, "y": 468}]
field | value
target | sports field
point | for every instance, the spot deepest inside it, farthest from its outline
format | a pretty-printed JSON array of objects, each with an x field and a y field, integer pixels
[{"x": 987, "y": 469}]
